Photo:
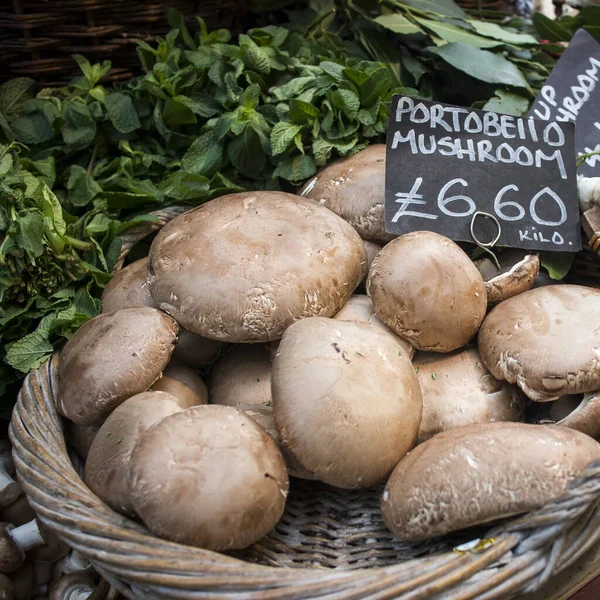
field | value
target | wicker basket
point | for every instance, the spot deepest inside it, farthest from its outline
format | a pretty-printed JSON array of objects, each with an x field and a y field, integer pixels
[
  {"x": 330, "y": 543},
  {"x": 38, "y": 37}
]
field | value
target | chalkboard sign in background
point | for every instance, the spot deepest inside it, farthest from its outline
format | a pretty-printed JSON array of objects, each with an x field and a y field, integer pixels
[
  {"x": 445, "y": 163},
  {"x": 572, "y": 93}
]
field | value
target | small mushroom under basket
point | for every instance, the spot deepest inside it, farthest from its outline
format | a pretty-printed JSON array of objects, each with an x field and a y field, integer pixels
[{"x": 330, "y": 544}]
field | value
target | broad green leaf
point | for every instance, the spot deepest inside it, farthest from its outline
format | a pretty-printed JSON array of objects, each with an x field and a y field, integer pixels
[
  {"x": 50, "y": 206},
  {"x": 246, "y": 154},
  {"x": 122, "y": 113},
  {"x": 254, "y": 56},
  {"x": 447, "y": 8},
  {"x": 302, "y": 112},
  {"x": 415, "y": 67},
  {"x": 397, "y": 23},
  {"x": 293, "y": 88},
  {"x": 558, "y": 264},
  {"x": 177, "y": 20},
  {"x": 377, "y": 85},
  {"x": 5, "y": 127},
  {"x": 496, "y": 32},
  {"x": 185, "y": 186},
  {"x": 80, "y": 129},
  {"x": 332, "y": 69},
  {"x": 549, "y": 29},
  {"x": 82, "y": 187},
  {"x": 282, "y": 135},
  {"x": 202, "y": 105},
  {"x": 99, "y": 224},
  {"x": 452, "y": 33},
  {"x": 32, "y": 129},
  {"x": 347, "y": 101},
  {"x": 204, "y": 155},
  {"x": 322, "y": 149},
  {"x": 31, "y": 233},
  {"x": 251, "y": 96},
  {"x": 6, "y": 164},
  {"x": 296, "y": 170},
  {"x": 481, "y": 64},
  {"x": 507, "y": 103},
  {"x": 30, "y": 351},
  {"x": 86, "y": 304},
  {"x": 176, "y": 113},
  {"x": 13, "y": 93}
]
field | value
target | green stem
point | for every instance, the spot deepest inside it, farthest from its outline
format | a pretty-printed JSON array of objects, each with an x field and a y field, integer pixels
[
  {"x": 582, "y": 157},
  {"x": 85, "y": 246}
]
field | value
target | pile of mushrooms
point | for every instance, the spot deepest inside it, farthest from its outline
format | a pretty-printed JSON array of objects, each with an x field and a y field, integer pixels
[
  {"x": 34, "y": 563},
  {"x": 244, "y": 351}
]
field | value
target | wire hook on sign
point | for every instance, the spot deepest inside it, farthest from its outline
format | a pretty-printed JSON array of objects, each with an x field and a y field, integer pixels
[{"x": 485, "y": 246}]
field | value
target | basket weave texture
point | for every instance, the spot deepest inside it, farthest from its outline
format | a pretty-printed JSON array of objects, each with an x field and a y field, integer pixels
[
  {"x": 38, "y": 37},
  {"x": 330, "y": 544}
]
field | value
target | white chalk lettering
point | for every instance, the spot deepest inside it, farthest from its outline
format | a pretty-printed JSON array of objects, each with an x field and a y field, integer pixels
[
  {"x": 524, "y": 236},
  {"x": 473, "y": 123},
  {"x": 405, "y": 106},
  {"x": 507, "y": 122},
  {"x": 558, "y": 239},
  {"x": 400, "y": 139},
  {"x": 424, "y": 111},
  {"x": 561, "y": 205},
  {"x": 499, "y": 205},
  {"x": 526, "y": 152},
  {"x": 560, "y": 137},
  {"x": 422, "y": 148},
  {"x": 483, "y": 151},
  {"x": 442, "y": 201},
  {"x": 557, "y": 155},
  {"x": 413, "y": 197}
]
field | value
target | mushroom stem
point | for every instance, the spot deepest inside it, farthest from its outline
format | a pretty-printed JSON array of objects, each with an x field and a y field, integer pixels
[
  {"x": 77, "y": 562},
  {"x": 27, "y": 536}
]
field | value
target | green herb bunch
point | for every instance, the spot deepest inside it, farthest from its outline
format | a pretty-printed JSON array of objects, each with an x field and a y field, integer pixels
[
  {"x": 481, "y": 58},
  {"x": 209, "y": 116}
]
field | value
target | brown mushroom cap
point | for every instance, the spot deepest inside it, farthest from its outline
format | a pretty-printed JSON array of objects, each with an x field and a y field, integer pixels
[
  {"x": 545, "y": 340},
  {"x": 264, "y": 416},
  {"x": 346, "y": 399},
  {"x": 427, "y": 290},
  {"x": 128, "y": 288},
  {"x": 184, "y": 384},
  {"x": 209, "y": 476},
  {"x": 80, "y": 436},
  {"x": 73, "y": 586},
  {"x": 244, "y": 267},
  {"x": 359, "y": 309},
  {"x": 479, "y": 473},
  {"x": 51, "y": 550},
  {"x": 458, "y": 390},
  {"x": 194, "y": 350},
  {"x": 582, "y": 414},
  {"x": 242, "y": 376},
  {"x": 372, "y": 249},
  {"x": 108, "y": 459},
  {"x": 111, "y": 358},
  {"x": 518, "y": 272},
  {"x": 18, "y": 513},
  {"x": 354, "y": 189}
]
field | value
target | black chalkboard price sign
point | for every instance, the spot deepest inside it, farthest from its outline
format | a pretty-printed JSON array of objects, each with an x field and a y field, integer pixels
[
  {"x": 572, "y": 93},
  {"x": 470, "y": 174}
]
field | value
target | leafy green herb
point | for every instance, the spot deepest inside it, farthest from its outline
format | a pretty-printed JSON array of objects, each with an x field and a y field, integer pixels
[{"x": 434, "y": 376}]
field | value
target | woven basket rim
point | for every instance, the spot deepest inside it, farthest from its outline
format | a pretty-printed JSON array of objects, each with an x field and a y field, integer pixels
[{"x": 525, "y": 551}]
